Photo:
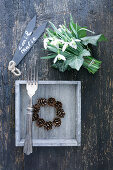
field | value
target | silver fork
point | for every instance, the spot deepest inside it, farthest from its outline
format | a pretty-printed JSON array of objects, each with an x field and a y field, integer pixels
[{"x": 31, "y": 87}]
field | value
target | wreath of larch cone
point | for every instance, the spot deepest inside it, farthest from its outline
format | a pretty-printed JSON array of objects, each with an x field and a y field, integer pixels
[{"x": 40, "y": 122}]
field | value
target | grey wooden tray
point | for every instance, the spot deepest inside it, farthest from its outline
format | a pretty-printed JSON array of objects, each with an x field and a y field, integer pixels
[{"x": 69, "y": 133}]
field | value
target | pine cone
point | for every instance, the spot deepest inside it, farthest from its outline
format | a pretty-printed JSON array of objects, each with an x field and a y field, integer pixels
[
  {"x": 57, "y": 122},
  {"x": 40, "y": 122},
  {"x": 58, "y": 105},
  {"x": 35, "y": 116},
  {"x": 42, "y": 102},
  {"x": 51, "y": 101},
  {"x": 48, "y": 125},
  {"x": 36, "y": 108},
  {"x": 60, "y": 113}
]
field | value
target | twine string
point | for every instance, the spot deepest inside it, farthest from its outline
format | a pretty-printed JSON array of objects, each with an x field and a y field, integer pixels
[
  {"x": 13, "y": 69},
  {"x": 91, "y": 63}
]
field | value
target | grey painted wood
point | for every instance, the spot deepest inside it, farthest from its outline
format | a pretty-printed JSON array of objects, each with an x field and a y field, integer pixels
[{"x": 69, "y": 133}]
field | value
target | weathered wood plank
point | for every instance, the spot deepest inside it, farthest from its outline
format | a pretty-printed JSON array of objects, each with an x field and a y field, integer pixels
[{"x": 96, "y": 152}]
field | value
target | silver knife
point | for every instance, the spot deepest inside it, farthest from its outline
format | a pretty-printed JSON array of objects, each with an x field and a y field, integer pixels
[{"x": 26, "y": 42}]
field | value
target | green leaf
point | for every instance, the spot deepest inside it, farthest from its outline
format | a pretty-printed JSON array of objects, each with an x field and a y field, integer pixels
[
  {"x": 72, "y": 27},
  {"x": 68, "y": 31},
  {"x": 72, "y": 51},
  {"x": 64, "y": 32},
  {"x": 48, "y": 57},
  {"x": 45, "y": 36},
  {"x": 91, "y": 39},
  {"x": 75, "y": 62},
  {"x": 51, "y": 31},
  {"x": 85, "y": 29},
  {"x": 50, "y": 34},
  {"x": 60, "y": 65},
  {"x": 84, "y": 53},
  {"x": 57, "y": 31},
  {"x": 75, "y": 28},
  {"x": 102, "y": 38},
  {"x": 65, "y": 53},
  {"x": 82, "y": 33},
  {"x": 53, "y": 49}
]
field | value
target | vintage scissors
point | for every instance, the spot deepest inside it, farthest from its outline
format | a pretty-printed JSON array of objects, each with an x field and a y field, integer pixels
[{"x": 26, "y": 42}]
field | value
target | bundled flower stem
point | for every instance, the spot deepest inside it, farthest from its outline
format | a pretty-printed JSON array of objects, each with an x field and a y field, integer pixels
[
  {"x": 69, "y": 47},
  {"x": 91, "y": 64}
]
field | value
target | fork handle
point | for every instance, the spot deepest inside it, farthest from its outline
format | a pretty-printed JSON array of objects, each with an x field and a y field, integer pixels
[{"x": 28, "y": 138}]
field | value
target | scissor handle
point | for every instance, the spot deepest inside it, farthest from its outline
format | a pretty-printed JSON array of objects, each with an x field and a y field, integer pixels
[{"x": 13, "y": 69}]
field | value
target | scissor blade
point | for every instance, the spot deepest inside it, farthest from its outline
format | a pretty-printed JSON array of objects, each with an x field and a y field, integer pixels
[
  {"x": 33, "y": 38},
  {"x": 26, "y": 36}
]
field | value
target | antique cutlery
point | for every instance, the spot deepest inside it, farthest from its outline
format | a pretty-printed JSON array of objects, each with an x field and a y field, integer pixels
[
  {"x": 31, "y": 87},
  {"x": 26, "y": 42}
]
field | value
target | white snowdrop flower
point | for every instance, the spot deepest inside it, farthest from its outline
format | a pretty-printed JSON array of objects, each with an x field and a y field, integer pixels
[
  {"x": 45, "y": 42},
  {"x": 60, "y": 29},
  {"x": 60, "y": 26},
  {"x": 65, "y": 46},
  {"x": 73, "y": 44},
  {"x": 55, "y": 42},
  {"x": 62, "y": 41},
  {"x": 77, "y": 40},
  {"x": 50, "y": 38},
  {"x": 59, "y": 57}
]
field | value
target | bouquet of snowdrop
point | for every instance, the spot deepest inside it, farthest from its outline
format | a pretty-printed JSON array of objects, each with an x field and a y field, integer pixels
[{"x": 69, "y": 47}]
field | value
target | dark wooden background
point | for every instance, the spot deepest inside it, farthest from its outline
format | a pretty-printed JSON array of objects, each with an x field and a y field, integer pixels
[{"x": 96, "y": 151}]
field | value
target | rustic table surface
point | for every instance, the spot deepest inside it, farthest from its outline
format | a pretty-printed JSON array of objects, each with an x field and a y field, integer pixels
[{"x": 96, "y": 151}]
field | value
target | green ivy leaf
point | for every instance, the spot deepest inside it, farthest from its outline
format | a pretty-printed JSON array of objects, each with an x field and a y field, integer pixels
[
  {"x": 92, "y": 39},
  {"x": 84, "y": 53},
  {"x": 82, "y": 33},
  {"x": 102, "y": 38},
  {"x": 61, "y": 65},
  {"x": 75, "y": 62}
]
